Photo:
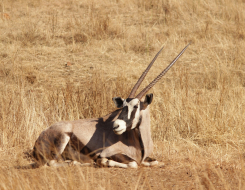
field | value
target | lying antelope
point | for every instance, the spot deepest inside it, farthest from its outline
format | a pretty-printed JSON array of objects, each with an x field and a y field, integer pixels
[{"x": 120, "y": 139}]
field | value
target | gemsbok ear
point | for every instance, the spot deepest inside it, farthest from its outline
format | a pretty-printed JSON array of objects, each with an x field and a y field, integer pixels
[
  {"x": 118, "y": 101},
  {"x": 148, "y": 100}
]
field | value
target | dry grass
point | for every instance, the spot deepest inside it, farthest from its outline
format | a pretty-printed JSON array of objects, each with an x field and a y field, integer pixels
[{"x": 65, "y": 60}]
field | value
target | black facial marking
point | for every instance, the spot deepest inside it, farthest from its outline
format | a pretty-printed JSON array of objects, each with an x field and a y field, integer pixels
[
  {"x": 133, "y": 114},
  {"x": 129, "y": 99},
  {"x": 124, "y": 115}
]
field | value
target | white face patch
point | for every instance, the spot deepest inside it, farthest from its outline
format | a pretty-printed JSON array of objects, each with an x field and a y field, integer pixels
[
  {"x": 119, "y": 126},
  {"x": 136, "y": 118}
]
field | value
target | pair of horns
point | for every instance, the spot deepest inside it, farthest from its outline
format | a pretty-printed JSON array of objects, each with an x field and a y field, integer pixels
[{"x": 147, "y": 88}]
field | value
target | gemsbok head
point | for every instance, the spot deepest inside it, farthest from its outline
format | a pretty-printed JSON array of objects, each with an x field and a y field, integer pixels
[
  {"x": 130, "y": 117},
  {"x": 120, "y": 139}
]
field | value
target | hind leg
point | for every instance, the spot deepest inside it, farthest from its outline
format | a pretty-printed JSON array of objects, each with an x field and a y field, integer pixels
[
  {"x": 54, "y": 163},
  {"x": 60, "y": 144},
  {"x": 49, "y": 146},
  {"x": 74, "y": 157}
]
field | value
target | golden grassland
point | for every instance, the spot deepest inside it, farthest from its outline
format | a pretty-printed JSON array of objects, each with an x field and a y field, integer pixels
[{"x": 66, "y": 59}]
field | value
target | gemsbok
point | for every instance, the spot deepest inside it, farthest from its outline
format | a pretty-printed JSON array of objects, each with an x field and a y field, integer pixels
[{"x": 120, "y": 139}]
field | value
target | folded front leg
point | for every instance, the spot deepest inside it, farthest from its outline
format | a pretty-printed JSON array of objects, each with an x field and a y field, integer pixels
[
  {"x": 112, "y": 163},
  {"x": 149, "y": 162}
]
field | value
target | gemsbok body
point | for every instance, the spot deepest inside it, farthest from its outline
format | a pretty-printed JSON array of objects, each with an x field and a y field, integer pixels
[{"x": 120, "y": 139}]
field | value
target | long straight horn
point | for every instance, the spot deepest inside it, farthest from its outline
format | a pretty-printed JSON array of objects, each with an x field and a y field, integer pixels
[
  {"x": 145, "y": 90},
  {"x": 136, "y": 86}
]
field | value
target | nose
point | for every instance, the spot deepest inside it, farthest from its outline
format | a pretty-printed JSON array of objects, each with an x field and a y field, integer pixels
[{"x": 115, "y": 127}]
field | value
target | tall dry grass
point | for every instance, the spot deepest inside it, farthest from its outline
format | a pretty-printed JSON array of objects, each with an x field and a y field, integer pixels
[{"x": 65, "y": 60}]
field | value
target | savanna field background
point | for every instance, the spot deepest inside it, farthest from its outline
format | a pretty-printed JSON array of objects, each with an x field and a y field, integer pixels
[{"x": 66, "y": 59}]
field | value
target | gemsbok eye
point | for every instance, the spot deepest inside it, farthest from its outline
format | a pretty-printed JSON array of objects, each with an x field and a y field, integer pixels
[{"x": 135, "y": 107}]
